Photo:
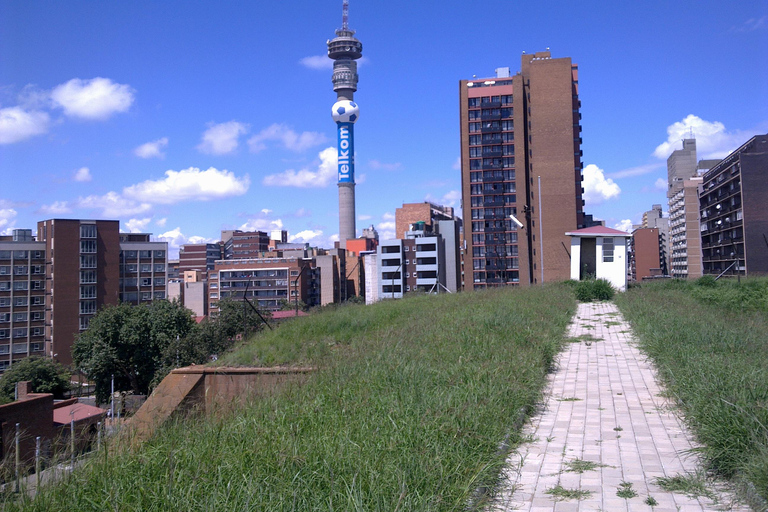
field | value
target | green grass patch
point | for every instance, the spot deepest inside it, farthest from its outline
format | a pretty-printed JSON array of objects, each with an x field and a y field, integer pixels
[
  {"x": 560, "y": 493},
  {"x": 406, "y": 412},
  {"x": 651, "y": 501},
  {"x": 710, "y": 343}
]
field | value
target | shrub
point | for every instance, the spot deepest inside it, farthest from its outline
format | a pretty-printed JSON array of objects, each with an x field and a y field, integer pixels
[{"x": 592, "y": 290}]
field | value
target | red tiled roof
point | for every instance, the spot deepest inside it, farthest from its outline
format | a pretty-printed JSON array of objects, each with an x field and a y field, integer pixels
[
  {"x": 77, "y": 412},
  {"x": 598, "y": 231}
]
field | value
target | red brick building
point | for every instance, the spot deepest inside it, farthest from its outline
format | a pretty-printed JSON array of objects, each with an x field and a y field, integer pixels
[{"x": 520, "y": 135}]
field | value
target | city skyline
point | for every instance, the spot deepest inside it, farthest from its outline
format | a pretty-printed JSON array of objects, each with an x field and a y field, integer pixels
[{"x": 183, "y": 121}]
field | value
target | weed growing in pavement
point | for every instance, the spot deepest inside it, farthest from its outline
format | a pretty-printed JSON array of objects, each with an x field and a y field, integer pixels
[
  {"x": 626, "y": 491},
  {"x": 569, "y": 399},
  {"x": 560, "y": 493},
  {"x": 651, "y": 501},
  {"x": 581, "y": 465},
  {"x": 405, "y": 412},
  {"x": 692, "y": 485},
  {"x": 709, "y": 341}
]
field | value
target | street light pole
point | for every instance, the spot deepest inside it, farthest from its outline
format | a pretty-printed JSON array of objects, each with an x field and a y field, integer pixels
[
  {"x": 393, "y": 279},
  {"x": 296, "y": 290}
]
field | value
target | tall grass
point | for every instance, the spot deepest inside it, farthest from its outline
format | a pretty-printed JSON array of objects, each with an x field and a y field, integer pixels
[
  {"x": 406, "y": 412},
  {"x": 710, "y": 343}
]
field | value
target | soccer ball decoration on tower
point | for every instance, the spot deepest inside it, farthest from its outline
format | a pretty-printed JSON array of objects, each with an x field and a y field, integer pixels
[{"x": 345, "y": 111}]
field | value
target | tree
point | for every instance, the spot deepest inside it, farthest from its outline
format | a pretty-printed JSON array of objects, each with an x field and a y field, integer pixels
[
  {"x": 130, "y": 342},
  {"x": 46, "y": 376}
]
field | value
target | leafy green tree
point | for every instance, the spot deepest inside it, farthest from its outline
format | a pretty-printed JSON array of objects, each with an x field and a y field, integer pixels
[
  {"x": 131, "y": 343},
  {"x": 46, "y": 376}
]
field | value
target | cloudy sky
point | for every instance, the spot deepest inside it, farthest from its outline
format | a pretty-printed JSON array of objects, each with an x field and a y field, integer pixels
[{"x": 186, "y": 118}]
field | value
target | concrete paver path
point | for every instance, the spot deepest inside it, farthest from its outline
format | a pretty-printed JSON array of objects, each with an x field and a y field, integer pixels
[{"x": 603, "y": 414}]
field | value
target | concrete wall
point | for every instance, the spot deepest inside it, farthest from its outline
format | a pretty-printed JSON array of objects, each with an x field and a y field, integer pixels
[{"x": 201, "y": 389}]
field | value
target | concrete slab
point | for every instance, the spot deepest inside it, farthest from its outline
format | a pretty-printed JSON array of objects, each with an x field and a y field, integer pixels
[{"x": 603, "y": 404}]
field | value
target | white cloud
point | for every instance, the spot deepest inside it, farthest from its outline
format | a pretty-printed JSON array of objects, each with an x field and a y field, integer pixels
[
  {"x": 222, "y": 138},
  {"x": 262, "y": 224},
  {"x": 287, "y": 137},
  {"x": 364, "y": 217},
  {"x": 450, "y": 198},
  {"x": 113, "y": 204},
  {"x": 457, "y": 164},
  {"x": 97, "y": 98},
  {"x": 266, "y": 211},
  {"x": 152, "y": 149},
  {"x": 161, "y": 222},
  {"x": 752, "y": 24},
  {"x": 712, "y": 139},
  {"x": 386, "y": 230},
  {"x": 322, "y": 176},
  {"x": 635, "y": 171},
  {"x": 175, "y": 239},
  {"x": 660, "y": 184},
  {"x": 138, "y": 225},
  {"x": 17, "y": 124},
  {"x": 188, "y": 185},
  {"x": 83, "y": 174},
  {"x": 624, "y": 225},
  {"x": 7, "y": 219},
  {"x": 322, "y": 62},
  {"x": 388, "y": 216},
  {"x": 317, "y": 62},
  {"x": 376, "y": 165},
  {"x": 305, "y": 236},
  {"x": 598, "y": 188},
  {"x": 56, "y": 208}
]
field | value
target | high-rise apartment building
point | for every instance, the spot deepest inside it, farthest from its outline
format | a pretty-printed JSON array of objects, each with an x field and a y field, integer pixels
[
  {"x": 52, "y": 285},
  {"x": 654, "y": 218},
  {"x": 521, "y": 157},
  {"x": 734, "y": 211},
  {"x": 244, "y": 244}
]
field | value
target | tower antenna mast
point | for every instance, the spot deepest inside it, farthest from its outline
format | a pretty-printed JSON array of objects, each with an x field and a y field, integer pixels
[{"x": 345, "y": 15}]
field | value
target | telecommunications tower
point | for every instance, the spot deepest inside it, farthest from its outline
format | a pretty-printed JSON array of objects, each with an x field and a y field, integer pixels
[{"x": 344, "y": 49}]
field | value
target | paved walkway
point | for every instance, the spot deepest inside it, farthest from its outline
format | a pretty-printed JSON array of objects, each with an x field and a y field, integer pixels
[{"x": 603, "y": 415}]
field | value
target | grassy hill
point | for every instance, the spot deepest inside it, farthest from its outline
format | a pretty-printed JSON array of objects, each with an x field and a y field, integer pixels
[{"x": 406, "y": 412}]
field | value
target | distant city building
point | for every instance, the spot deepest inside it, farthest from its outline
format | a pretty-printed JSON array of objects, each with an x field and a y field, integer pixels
[
  {"x": 521, "y": 137},
  {"x": 199, "y": 256},
  {"x": 654, "y": 218},
  {"x": 143, "y": 268},
  {"x": 646, "y": 254},
  {"x": 244, "y": 244},
  {"x": 266, "y": 282},
  {"x": 684, "y": 178},
  {"x": 426, "y": 212},
  {"x": 52, "y": 285},
  {"x": 734, "y": 211}
]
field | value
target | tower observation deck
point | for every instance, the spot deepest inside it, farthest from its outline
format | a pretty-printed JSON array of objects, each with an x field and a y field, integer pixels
[{"x": 344, "y": 50}]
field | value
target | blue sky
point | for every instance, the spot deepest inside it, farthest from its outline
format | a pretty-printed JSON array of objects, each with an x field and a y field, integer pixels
[{"x": 186, "y": 118}]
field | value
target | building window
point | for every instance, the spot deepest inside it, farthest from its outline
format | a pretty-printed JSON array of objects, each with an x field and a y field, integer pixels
[
  {"x": 19, "y": 301},
  {"x": 4, "y": 365},
  {"x": 20, "y": 332},
  {"x": 37, "y": 347},
  {"x": 146, "y": 267},
  {"x": 87, "y": 246},
  {"x": 159, "y": 295},
  {"x": 20, "y": 255},
  {"x": 37, "y": 315},
  {"x": 87, "y": 307},
  {"x": 87, "y": 230},
  {"x": 38, "y": 285},
  {"x": 607, "y": 250},
  {"x": 159, "y": 267},
  {"x": 159, "y": 254},
  {"x": 87, "y": 276},
  {"x": 146, "y": 296},
  {"x": 3, "y": 335},
  {"x": 130, "y": 254},
  {"x": 20, "y": 270},
  {"x": 5, "y": 270},
  {"x": 37, "y": 300},
  {"x": 20, "y": 317},
  {"x": 20, "y": 285},
  {"x": 19, "y": 348},
  {"x": 87, "y": 261},
  {"x": 159, "y": 281},
  {"x": 146, "y": 281},
  {"x": 5, "y": 302},
  {"x": 88, "y": 292}
]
